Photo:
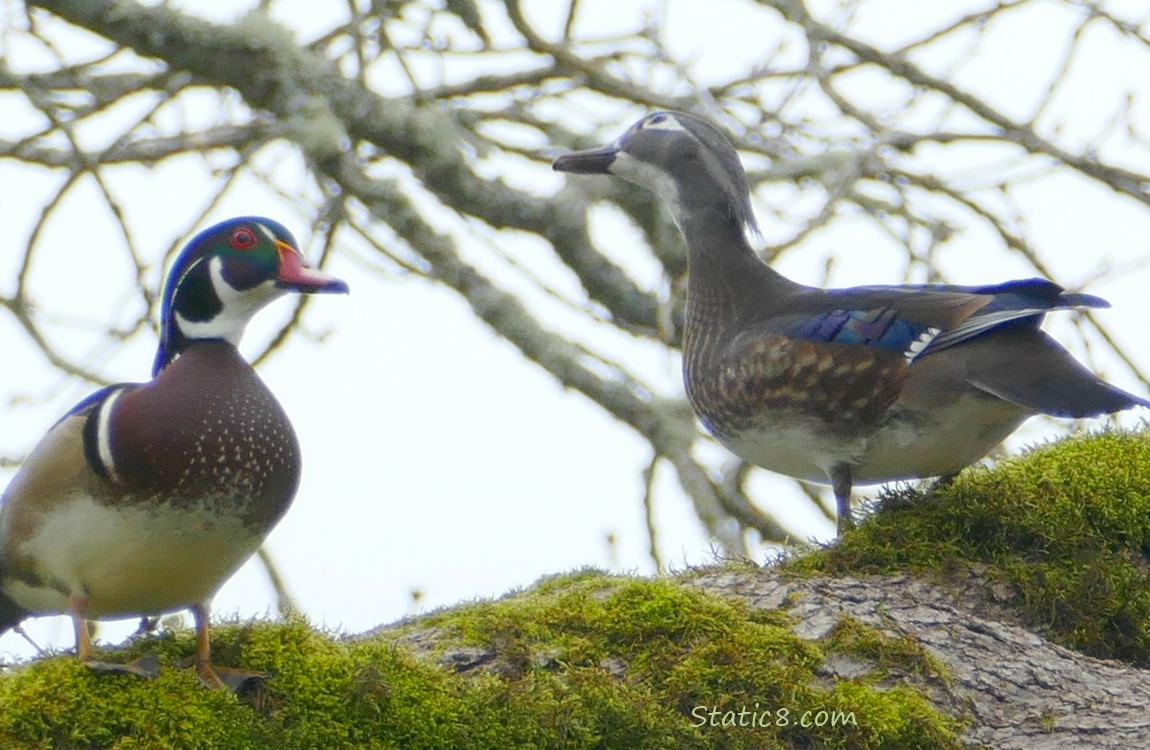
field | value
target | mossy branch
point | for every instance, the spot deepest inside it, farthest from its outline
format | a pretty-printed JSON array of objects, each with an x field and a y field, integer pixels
[{"x": 975, "y": 617}]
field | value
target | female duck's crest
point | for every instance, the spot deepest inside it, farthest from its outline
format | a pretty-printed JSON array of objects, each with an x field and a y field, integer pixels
[{"x": 224, "y": 276}]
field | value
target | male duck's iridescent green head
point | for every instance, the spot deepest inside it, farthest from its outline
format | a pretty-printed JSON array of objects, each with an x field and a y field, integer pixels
[{"x": 225, "y": 275}]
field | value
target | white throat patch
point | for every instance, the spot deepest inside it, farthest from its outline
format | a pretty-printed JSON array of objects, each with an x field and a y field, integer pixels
[
  {"x": 238, "y": 308},
  {"x": 651, "y": 177}
]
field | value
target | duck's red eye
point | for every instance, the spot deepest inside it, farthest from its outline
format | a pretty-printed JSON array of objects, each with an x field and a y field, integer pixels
[{"x": 243, "y": 239}]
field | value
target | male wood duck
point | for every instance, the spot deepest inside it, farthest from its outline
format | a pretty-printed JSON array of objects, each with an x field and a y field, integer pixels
[
  {"x": 146, "y": 497},
  {"x": 842, "y": 386}
]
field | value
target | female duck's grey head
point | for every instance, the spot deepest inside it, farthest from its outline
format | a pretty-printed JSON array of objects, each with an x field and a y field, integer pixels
[{"x": 683, "y": 159}]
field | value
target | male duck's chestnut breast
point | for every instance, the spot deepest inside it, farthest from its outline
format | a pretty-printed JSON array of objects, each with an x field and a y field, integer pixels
[{"x": 212, "y": 435}]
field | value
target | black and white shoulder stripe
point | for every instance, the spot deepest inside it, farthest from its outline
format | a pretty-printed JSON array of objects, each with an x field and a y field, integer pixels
[{"x": 96, "y": 410}]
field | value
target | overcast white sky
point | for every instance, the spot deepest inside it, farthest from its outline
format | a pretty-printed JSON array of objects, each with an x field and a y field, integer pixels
[{"x": 436, "y": 459}]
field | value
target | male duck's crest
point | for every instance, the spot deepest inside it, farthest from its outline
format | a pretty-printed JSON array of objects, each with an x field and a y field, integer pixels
[
  {"x": 225, "y": 275},
  {"x": 146, "y": 497},
  {"x": 685, "y": 160}
]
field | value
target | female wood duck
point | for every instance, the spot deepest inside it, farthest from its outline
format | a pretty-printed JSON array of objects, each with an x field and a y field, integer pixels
[
  {"x": 146, "y": 497},
  {"x": 842, "y": 386}
]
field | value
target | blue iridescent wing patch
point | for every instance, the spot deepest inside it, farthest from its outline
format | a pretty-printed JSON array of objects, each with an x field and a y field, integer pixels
[{"x": 880, "y": 328}]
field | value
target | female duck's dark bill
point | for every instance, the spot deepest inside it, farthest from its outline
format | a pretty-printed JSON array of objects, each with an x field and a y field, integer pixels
[{"x": 591, "y": 161}]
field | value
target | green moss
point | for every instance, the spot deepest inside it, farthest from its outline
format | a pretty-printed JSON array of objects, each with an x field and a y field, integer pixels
[
  {"x": 1067, "y": 524},
  {"x": 593, "y": 661},
  {"x": 61, "y": 704},
  {"x": 889, "y": 654},
  {"x": 583, "y": 661}
]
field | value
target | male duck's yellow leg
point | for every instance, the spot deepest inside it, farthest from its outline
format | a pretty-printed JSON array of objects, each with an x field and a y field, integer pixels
[
  {"x": 203, "y": 658},
  {"x": 145, "y": 666},
  {"x": 214, "y": 677},
  {"x": 78, "y": 610}
]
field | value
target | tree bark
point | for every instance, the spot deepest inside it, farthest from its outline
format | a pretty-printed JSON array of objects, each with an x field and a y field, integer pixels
[{"x": 1019, "y": 690}]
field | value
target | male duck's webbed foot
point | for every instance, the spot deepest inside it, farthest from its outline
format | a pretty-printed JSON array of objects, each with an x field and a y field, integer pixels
[
  {"x": 239, "y": 681},
  {"x": 146, "y": 666}
]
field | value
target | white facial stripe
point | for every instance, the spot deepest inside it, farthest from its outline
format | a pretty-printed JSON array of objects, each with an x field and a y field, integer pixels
[
  {"x": 267, "y": 233},
  {"x": 104, "y": 434},
  {"x": 238, "y": 308},
  {"x": 667, "y": 122}
]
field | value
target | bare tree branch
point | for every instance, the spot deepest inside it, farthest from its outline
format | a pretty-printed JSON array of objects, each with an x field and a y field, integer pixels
[{"x": 404, "y": 167}]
